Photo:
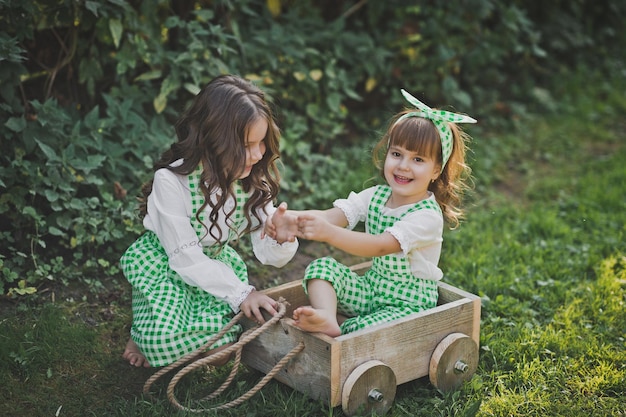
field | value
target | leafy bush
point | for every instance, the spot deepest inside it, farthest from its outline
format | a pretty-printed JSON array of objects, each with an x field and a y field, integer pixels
[{"x": 90, "y": 90}]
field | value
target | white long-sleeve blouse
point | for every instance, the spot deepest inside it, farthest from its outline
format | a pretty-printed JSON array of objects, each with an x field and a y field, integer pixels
[{"x": 169, "y": 214}]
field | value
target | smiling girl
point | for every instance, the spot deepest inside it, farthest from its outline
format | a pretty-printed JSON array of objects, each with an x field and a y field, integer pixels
[{"x": 422, "y": 160}]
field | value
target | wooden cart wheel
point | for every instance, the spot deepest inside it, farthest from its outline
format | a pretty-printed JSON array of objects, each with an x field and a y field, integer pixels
[
  {"x": 453, "y": 362},
  {"x": 371, "y": 386}
]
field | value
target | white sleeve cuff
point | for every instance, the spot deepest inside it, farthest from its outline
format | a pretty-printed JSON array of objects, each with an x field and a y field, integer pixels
[
  {"x": 235, "y": 302},
  {"x": 401, "y": 238},
  {"x": 348, "y": 210},
  {"x": 270, "y": 252}
]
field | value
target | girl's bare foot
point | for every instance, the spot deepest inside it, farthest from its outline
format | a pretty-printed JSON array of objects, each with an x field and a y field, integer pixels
[
  {"x": 311, "y": 319},
  {"x": 134, "y": 356}
]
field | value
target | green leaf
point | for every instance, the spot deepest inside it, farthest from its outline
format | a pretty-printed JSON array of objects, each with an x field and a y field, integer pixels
[
  {"x": 150, "y": 75},
  {"x": 51, "y": 195},
  {"x": 193, "y": 89},
  {"x": 30, "y": 211},
  {"x": 160, "y": 102},
  {"x": 92, "y": 162},
  {"x": 333, "y": 101},
  {"x": 16, "y": 124},
  {"x": 204, "y": 15},
  {"x": 65, "y": 222},
  {"x": 93, "y": 7},
  {"x": 22, "y": 289},
  {"x": 48, "y": 151},
  {"x": 77, "y": 204},
  {"x": 91, "y": 119},
  {"x": 55, "y": 231},
  {"x": 115, "y": 26}
]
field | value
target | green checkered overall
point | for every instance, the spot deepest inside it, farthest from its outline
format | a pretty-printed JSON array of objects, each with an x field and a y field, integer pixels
[
  {"x": 388, "y": 290},
  {"x": 170, "y": 317}
]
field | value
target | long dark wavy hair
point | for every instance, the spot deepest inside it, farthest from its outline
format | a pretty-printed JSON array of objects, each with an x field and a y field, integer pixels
[
  {"x": 212, "y": 133},
  {"x": 418, "y": 134}
]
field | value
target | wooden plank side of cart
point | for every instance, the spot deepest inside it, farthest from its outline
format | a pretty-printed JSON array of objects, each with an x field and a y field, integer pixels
[
  {"x": 405, "y": 345},
  {"x": 309, "y": 371}
]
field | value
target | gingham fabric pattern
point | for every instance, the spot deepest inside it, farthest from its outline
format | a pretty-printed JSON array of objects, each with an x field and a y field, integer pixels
[
  {"x": 170, "y": 317},
  {"x": 388, "y": 290}
]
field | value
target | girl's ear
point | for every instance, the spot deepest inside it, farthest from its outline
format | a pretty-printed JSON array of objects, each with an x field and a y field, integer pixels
[{"x": 436, "y": 173}]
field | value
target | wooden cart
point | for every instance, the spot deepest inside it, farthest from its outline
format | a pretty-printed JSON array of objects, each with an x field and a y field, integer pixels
[{"x": 361, "y": 370}]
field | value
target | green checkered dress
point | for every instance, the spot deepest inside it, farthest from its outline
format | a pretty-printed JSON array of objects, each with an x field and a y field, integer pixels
[
  {"x": 388, "y": 290},
  {"x": 170, "y": 317}
]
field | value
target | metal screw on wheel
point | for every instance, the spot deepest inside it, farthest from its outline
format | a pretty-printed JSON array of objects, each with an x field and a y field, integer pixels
[
  {"x": 453, "y": 362},
  {"x": 371, "y": 386}
]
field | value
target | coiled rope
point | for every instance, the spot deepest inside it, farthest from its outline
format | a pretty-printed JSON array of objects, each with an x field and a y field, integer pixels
[{"x": 237, "y": 347}]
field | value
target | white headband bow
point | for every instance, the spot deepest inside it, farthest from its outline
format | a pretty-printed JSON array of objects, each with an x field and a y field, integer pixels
[{"x": 440, "y": 119}]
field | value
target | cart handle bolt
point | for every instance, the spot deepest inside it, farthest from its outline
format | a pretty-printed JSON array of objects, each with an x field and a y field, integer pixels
[
  {"x": 375, "y": 395},
  {"x": 461, "y": 367}
]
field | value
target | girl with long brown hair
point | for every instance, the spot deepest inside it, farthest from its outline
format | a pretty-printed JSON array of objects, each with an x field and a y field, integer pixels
[{"x": 216, "y": 183}]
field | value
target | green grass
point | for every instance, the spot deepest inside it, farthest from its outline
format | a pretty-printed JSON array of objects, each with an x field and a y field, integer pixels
[{"x": 543, "y": 245}]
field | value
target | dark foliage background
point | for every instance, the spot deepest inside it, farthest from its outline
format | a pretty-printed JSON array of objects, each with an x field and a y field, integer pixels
[{"x": 89, "y": 91}]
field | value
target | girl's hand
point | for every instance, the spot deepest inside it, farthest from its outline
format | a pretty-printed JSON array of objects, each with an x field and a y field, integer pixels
[
  {"x": 254, "y": 302},
  {"x": 282, "y": 226},
  {"x": 313, "y": 227}
]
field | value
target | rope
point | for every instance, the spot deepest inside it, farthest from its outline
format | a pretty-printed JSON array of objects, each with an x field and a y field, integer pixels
[
  {"x": 237, "y": 347},
  {"x": 238, "y": 401}
]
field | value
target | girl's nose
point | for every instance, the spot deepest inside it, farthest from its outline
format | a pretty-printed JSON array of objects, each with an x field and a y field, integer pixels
[{"x": 257, "y": 153}]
